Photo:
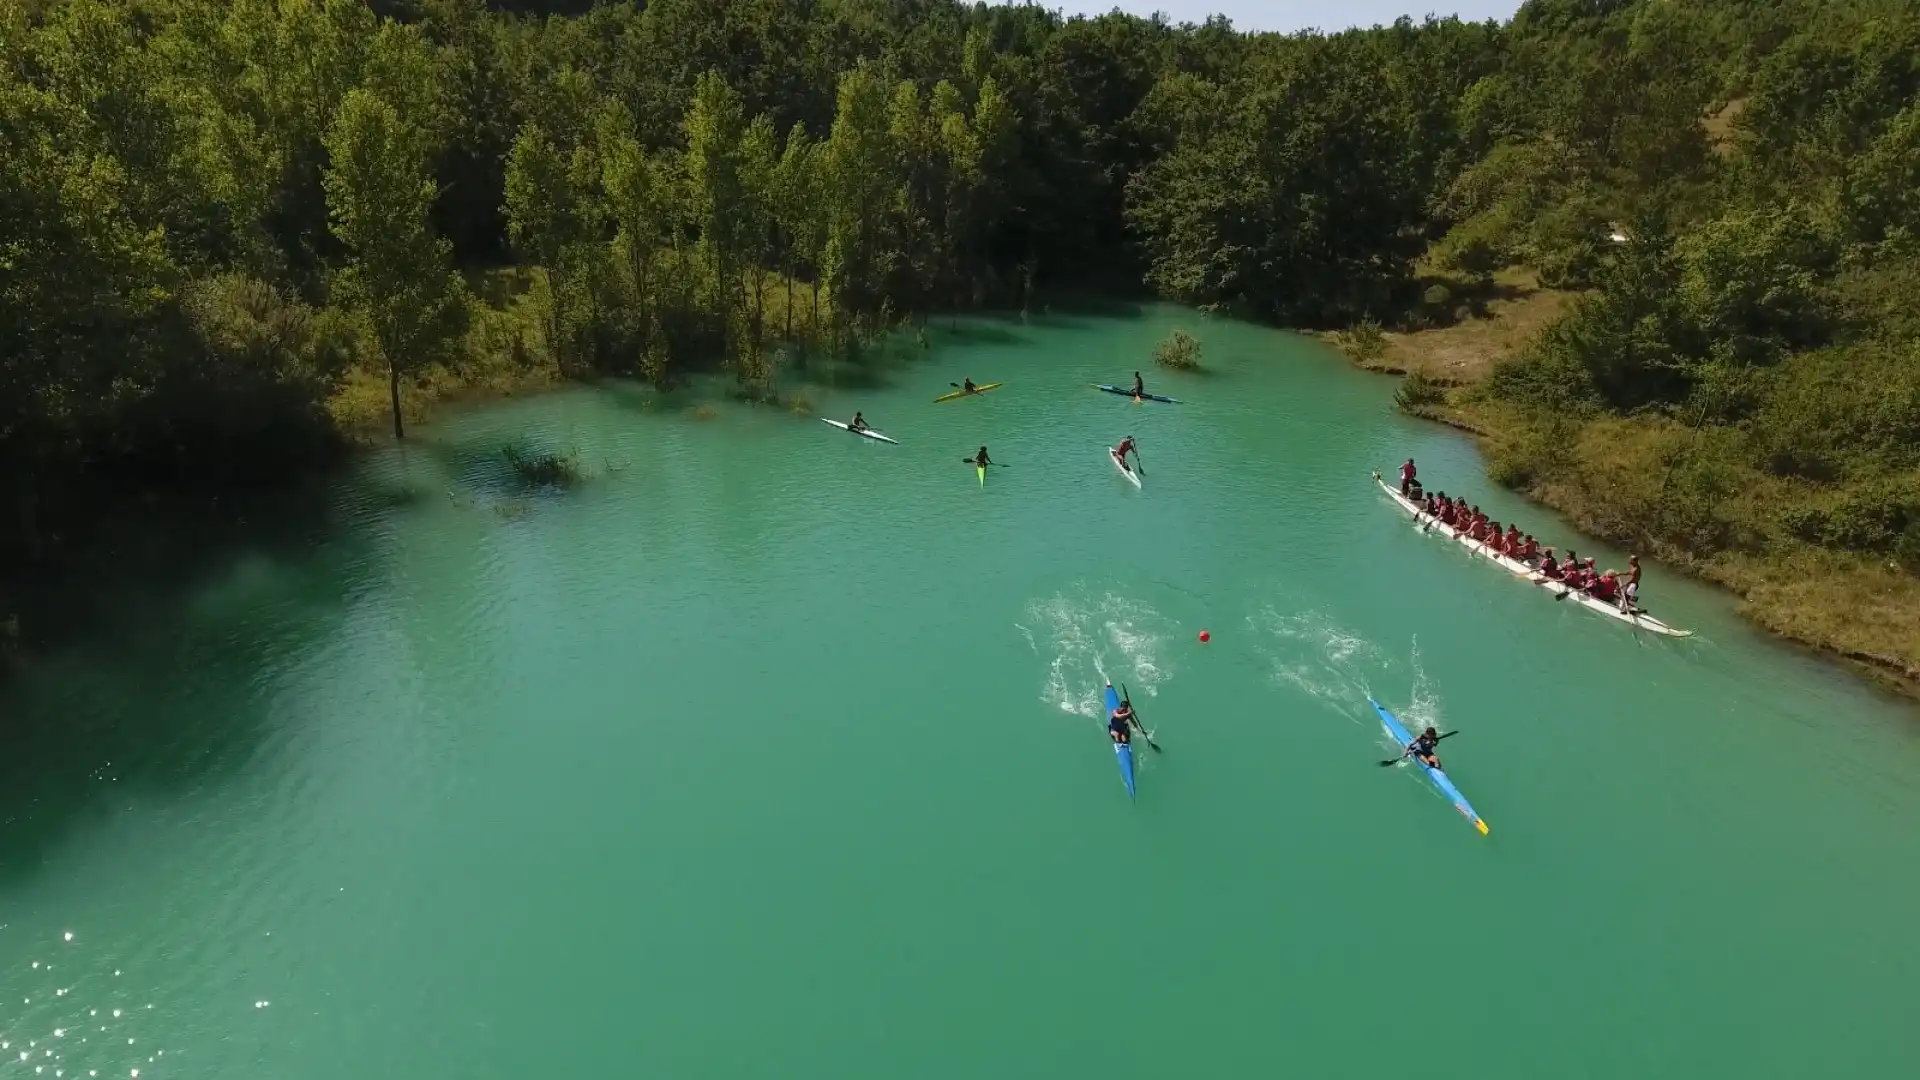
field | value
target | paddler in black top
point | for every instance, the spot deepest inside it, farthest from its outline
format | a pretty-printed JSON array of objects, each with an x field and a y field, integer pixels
[
  {"x": 1139, "y": 386},
  {"x": 1422, "y": 747},
  {"x": 1121, "y": 723},
  {"x": 967, "y": 387},
  {"x": 981, "y": 459},
  {"x": 859, "y": 422}
]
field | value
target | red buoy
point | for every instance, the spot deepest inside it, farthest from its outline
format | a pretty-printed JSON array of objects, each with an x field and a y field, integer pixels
[{"x": 1205, "y": 637}]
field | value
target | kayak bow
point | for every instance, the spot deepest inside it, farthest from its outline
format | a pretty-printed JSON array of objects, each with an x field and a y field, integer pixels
[
  {"x": 1438, "y": 777},
  {"x": 1122, "y": 751}
]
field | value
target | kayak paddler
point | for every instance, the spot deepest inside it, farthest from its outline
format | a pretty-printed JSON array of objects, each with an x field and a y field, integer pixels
[
  {"x": 1121, "y": 722},
  {"x": 1139, "y": 386},
  {"x": 967, "y": 387},
  {"x": 1423, "y": 745},
  {"x": 1126, "y": 446},
  {"x": 859, "y": 422},
  {"x": 981, "y": 459}
]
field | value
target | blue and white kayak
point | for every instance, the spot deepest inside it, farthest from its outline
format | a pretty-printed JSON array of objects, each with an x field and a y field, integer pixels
[
  {"x": 1127, "y": 391},
  {"x": 1440, "y": 780},
  {"x": 1123, "y": 751}
]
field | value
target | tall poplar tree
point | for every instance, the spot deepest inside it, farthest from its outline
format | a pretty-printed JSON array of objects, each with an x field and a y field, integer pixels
[{"x": 398, "y": 275}]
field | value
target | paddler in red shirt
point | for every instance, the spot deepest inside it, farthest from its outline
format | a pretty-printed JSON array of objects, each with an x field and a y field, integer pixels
[
  {"x": 1549, "y": 566},
  {"x": 1570, "y": 570},
  {"x": 1529, "y": 549}
]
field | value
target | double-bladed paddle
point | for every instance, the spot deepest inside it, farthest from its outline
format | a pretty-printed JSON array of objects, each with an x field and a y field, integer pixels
[
  {"x": 1128, "y": 698},
  {"x": 1403, "y": 756},
  {"x": 971, "y": 461}
]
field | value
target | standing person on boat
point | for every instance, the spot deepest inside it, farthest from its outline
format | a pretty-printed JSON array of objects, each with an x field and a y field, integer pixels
[
  {"x": 1139, "y": 386},
  {"x": 1630, "y": 596},
  {"x": 1126, "y": 446},
  {"x": 1423, "y": 745},
  {"x": 859, "y": 423},
  {"x": 981, "y": 459},
  {"x": 1407, "y": 474},
  {"x": 1121, "y": 722}
]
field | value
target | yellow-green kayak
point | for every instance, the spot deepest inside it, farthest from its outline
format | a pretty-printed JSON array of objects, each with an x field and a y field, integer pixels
[{"x": 963, "y": 393}]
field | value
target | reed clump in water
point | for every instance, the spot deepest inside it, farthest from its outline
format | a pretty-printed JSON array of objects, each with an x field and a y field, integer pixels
[
  {"x": 1180, "y": 351},
  {"x": 545, "y": 468}
]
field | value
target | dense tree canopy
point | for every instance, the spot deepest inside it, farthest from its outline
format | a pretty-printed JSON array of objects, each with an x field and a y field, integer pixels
[{"x": 212, "y": 212}]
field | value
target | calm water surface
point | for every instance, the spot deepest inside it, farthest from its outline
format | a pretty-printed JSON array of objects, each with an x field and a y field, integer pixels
[{"x": 776, "y": 752}]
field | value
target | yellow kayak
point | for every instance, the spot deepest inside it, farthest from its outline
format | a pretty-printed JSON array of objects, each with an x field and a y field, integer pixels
[
  {"x": 982, "y": 470},
  {"x": 963, "y": 393}
]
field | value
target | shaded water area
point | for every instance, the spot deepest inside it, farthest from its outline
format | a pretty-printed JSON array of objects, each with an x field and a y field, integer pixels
[{"x": 772, "y": 751}]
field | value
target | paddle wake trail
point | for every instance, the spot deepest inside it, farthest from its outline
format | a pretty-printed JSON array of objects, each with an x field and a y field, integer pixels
[
  {"x": 1308, "y": 651},
  {"x": 1087, "y": 635}
]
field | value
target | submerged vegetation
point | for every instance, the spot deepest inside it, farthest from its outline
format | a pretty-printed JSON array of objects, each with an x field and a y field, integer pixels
[
  {"x": 241, "y": 232},
  {"x": 545, "y": 468},
  {"x": 1179, "y": 351}
]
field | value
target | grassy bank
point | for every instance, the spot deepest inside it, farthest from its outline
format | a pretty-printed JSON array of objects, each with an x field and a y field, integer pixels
[
  {"x": 1689, "y": 495},
  {"x": 503, "y": 354}
]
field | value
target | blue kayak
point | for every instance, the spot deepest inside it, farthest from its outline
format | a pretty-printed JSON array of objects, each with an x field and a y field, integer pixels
[
  {"x": 1123, "y": 751},
  {"x": 1439, "y": 778},
  {"x": 1127, "y": 391}
]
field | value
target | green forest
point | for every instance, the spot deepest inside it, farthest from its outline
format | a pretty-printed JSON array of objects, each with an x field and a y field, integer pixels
[{"x": 237, "y": 232}]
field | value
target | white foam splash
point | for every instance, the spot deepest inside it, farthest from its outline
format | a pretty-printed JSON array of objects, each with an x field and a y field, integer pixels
[
  {"x": 1087, "y": 636},
  {"x": 1310, "y": 652}
]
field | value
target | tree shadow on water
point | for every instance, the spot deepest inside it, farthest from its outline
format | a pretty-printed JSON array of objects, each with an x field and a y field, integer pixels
[{"x": 150, "y": 667}]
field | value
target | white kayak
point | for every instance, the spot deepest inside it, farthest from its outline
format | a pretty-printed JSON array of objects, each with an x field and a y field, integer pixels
[
  {"x": 1125, "y": 470},
  {"x": 1520, "y": 569},
  {"x": 869, "y": 432}
]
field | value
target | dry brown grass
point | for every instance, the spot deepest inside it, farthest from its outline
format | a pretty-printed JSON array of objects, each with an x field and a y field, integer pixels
[
  {"x": 1719, "y": 126},
  {"x": 1460, "y": 354}
]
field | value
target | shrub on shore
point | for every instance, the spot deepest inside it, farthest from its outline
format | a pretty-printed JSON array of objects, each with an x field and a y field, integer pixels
[
  {"x": 1419, "y": 391},
  {"x": 1364, "y": 344}
]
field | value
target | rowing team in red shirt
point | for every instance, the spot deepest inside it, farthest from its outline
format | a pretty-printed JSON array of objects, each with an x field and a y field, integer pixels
[{"x": 1578, "y": 575}]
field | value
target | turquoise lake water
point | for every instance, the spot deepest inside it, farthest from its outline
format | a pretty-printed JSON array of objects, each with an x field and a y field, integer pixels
[{"x": 771, "y": 751}]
